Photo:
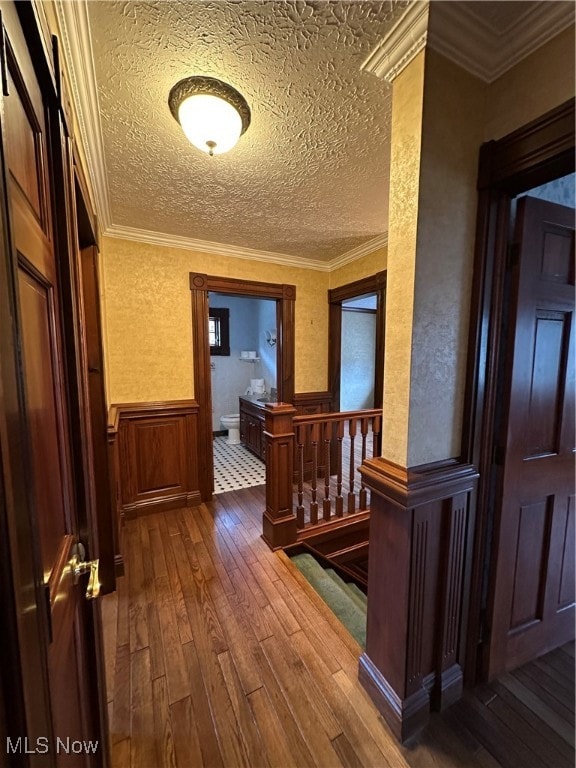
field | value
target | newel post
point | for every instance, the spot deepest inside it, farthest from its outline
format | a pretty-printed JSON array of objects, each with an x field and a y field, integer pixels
[
  {"x": 278, "y": 520},
  {"x": 420, "y": 519}
]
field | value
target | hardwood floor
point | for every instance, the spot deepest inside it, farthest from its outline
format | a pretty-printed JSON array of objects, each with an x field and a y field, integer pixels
[{"x": 218, "y": 653}]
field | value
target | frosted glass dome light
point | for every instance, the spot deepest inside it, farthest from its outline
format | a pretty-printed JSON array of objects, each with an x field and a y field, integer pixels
[
  {"x": 210, "y": 123},
  {"x": 213, "y": 115}
]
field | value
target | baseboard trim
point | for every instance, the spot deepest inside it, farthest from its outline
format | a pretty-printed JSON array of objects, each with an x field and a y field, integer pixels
[
  {"x": 449, "y": 688},
  {"x": 280, "y": 532},
  {"x": 406, "y": 717},
  {"x": 141, "y": 508},
  {"x": 193, "y": 499}
]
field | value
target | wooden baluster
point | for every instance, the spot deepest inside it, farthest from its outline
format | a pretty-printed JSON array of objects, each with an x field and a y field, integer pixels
[
  {"x": 326, "y": 502},
  {"x": 363, "y": 504},
  {"x": 300, "y": 441},
  {"x": 351, "y": 494},
  {"x": 314, "y": 439},
  {"x": 375, "y": 433},
  {"x": 339, "y": 499}
]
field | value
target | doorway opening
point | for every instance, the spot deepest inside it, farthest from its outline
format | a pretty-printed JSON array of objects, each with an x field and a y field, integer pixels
[
  {"x": 530, "y": 588},
  {"x": 204, "y": 289},
  {"x": 243, "y": 363},
  {"x": 356, "y": 343},
  {"x": 358, "y": 352},
  {"x": 521, "y": 397}
]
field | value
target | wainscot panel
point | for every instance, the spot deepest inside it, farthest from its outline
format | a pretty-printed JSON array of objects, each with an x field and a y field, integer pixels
[
  {"x": 154, "y": 455},
  {"x": 419, "y": 528},
  {"x": 312, "y": 402}
]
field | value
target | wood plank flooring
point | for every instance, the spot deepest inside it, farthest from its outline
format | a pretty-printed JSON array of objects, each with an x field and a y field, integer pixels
[{"x": 218, "y": 653}]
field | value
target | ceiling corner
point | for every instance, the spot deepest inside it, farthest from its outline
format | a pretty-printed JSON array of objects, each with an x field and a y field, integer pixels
[
  {"x": 459, "y": 32},
  {"x": 404, "y": 41},
  {"x": 381, "y": 241}
]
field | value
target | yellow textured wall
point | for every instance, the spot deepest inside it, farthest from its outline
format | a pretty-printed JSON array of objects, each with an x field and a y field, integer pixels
[
  {"x": 362, "y": 267},
  {"x": 407, "y": 101},
  {"x": 432, "y": 231},
  {"x": 537, "y": 84},
  {"x": 148, "y": 328},
  {"x": 454, "y": 104}
]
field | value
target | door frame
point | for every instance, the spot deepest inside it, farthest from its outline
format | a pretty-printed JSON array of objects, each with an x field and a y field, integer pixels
[
  {"x": 534, "y": 154},
  {"x": 373, "y": 284},
  {"x": 200, "y": 286}
]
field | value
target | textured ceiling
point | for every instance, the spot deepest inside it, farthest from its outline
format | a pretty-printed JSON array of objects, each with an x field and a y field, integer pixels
[{"x": 310, "y": 176}]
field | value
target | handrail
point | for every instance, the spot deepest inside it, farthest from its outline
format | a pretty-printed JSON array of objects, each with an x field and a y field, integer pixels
[
  {"x": 312, "y": 463},
  {"x": 317, "y": 418}
]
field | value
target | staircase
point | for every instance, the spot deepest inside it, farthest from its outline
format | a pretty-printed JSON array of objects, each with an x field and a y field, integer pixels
[{"x": 346, "y": 600}]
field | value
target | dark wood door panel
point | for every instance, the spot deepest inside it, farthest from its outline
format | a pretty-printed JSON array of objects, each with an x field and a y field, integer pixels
[
  {"x": 38, "y": 326},
  {"x": 542, "y": 592},
  {"x": 23, "y": 143},
  {"x": 546, "y": 382},
  {"x": 557, "y": 262},
  {"x": 532, "y": 535},
  {"x": 532, "y": 593},
  {"x": 560, "y": 587}
]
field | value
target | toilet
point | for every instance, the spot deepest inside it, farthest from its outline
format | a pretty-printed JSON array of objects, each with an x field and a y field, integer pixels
[{"x": 231, "y": 422}]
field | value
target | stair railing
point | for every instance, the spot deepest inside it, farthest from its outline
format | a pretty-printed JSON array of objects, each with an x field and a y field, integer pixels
[{"x": 311, "y": 464}]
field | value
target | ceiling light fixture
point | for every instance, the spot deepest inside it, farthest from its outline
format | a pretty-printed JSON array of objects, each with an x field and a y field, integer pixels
[{"x": 213, "y": 115}]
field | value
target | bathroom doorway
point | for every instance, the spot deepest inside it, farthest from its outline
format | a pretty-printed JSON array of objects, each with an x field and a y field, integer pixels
[
  {"x": 243, "y": 351},
  {"x": 283, "y": 297}
]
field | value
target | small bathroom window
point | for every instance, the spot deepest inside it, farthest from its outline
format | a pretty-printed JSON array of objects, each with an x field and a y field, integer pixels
[{"x": 219, "y": 331}]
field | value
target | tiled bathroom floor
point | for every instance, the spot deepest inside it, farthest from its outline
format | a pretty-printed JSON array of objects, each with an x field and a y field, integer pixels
[{"x": 235, "y": 467}]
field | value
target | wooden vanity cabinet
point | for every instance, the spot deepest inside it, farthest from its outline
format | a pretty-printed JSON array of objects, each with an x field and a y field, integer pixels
[{"x": 252, "y": 427}]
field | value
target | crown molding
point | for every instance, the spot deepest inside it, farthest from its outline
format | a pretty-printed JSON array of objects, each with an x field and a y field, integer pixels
[
  {"x": 361, "y": 250},
  {"x": 78, "y": 58},
  {"x": 237, "y": 252},
  {"x": 207, "y": 246},
  {"x": 462, "y": 36},
  {"x": 459, "y": 33},
  {"x": 402, "y": 44}
]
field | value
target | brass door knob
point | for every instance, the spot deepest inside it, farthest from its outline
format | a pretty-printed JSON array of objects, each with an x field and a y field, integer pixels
[{"x": 79, "y": 567}]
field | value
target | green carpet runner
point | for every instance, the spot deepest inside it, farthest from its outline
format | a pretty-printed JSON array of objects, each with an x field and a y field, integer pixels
[{"x": 346, "y": 600}]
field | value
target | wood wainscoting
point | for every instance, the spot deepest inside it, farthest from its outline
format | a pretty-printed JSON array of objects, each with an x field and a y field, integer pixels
[
  {"x": 419, "y": 531},
  {"x": 154, "y": 449},
  {"x": 307, "y": 403}
]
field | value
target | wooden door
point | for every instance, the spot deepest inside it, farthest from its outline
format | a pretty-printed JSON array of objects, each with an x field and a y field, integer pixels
[
  {"x": 70, "y": 652},
  {"x": 532, "y": 589}
]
